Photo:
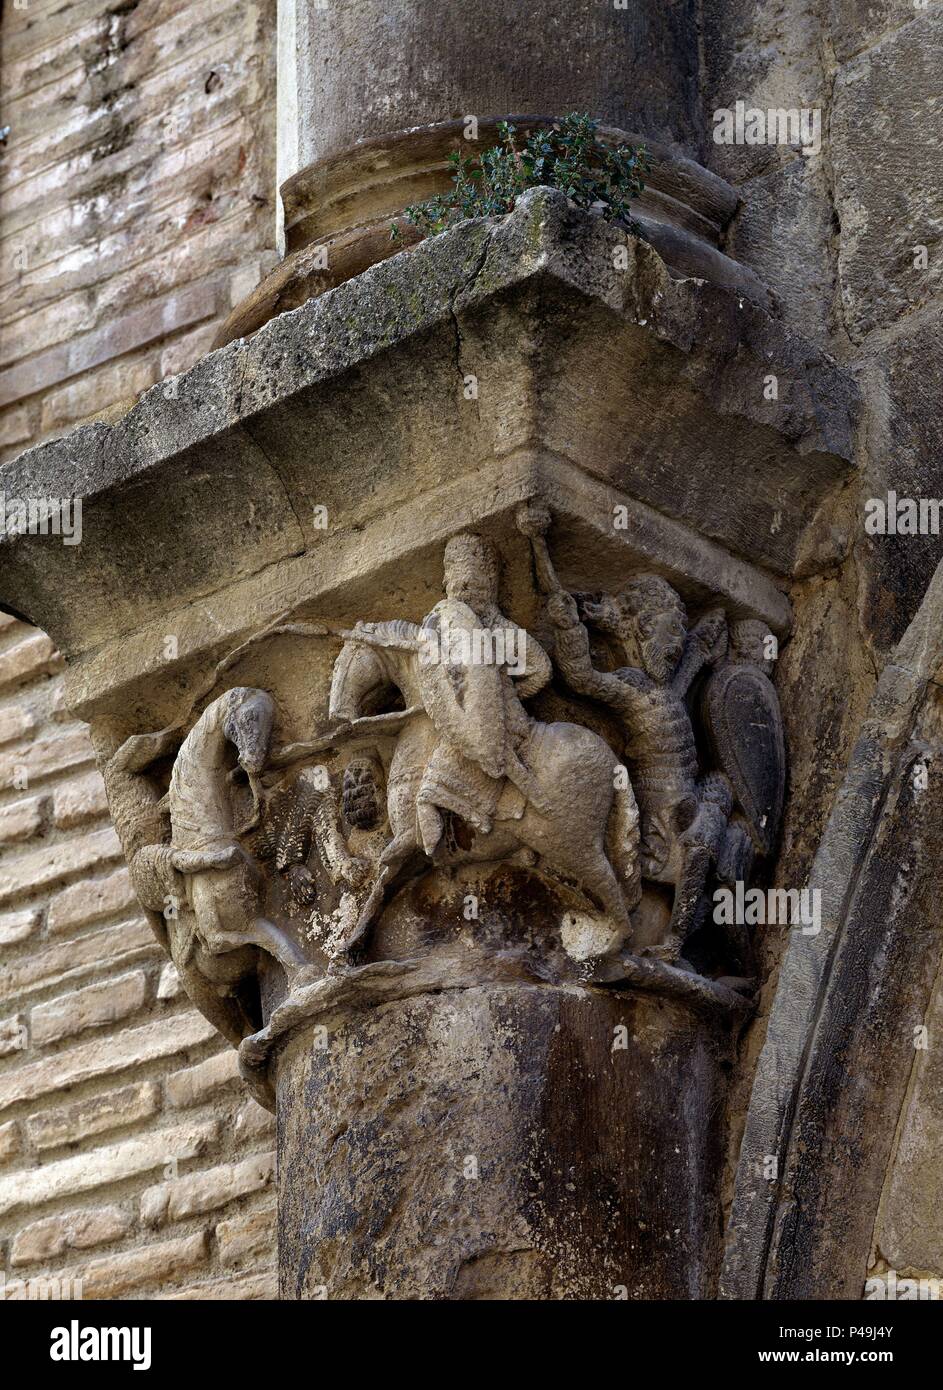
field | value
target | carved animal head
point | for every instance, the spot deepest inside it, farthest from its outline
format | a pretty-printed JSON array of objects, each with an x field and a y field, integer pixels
[
  {"x": 602, "y": 612},
  {"x": 655, "y": 620},
  {"x": 361, "y": 678},
  {"x": 248, "y": 722},
  {"x": 471, "y": 570}
]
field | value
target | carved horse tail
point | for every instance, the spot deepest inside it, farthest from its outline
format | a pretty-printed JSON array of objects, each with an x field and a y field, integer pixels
[{"x": 623, "y": 842}]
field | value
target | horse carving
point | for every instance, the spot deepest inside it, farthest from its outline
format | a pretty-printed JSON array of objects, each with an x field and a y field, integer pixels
[
  {"x": 223, "y": 884},
  {"x": 576, "y": 812}
]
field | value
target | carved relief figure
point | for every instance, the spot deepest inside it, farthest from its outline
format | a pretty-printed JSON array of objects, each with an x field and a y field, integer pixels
[
  {"x": 741, "y": 715},
  {"x": 223, "y": 884},
  {"x": 684, "y": 816},
  {"x": 475, "y": 705},
  {"x": 469, "y": 749}
]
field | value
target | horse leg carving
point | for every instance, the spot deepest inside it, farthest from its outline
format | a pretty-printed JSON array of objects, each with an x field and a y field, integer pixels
[
  {"x": 394, "y": 856},
  {"x": 272, "y": 939}
]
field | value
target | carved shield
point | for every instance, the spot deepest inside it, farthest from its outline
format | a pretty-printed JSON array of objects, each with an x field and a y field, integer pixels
[
  {"x": 744, "y": 726},
  {"x": 462, "y": 689}
]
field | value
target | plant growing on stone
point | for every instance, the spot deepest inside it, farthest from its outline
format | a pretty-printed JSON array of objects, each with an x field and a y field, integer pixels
[{"x": 568, "y": 155}]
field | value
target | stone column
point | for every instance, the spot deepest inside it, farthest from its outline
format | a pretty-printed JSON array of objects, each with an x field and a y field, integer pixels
[
  {"x": 511, "y": 1081},
  {"x": 373, "y": 98},
  {"x": 504, "y": 1140},
  {"x": 386, "y": 66}
]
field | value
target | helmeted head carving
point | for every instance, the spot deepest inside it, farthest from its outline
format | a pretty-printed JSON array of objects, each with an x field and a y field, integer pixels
[
  {"x": 471, "y": 570},
  {"x": 749, "y": 642},
  {"x": 654, "y": 620}
]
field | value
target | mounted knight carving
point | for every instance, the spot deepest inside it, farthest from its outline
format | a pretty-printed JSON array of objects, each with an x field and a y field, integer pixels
[{"x": 432, "y": 756}]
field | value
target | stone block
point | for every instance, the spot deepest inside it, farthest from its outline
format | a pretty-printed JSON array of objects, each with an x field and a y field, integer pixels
[
  {"x": 21, "y": 820},
  {"x": 205, "y": 1080},
  {"x": 79, "y": 801},
  {"x": 89, "y": 901},
  {"x": 105, "y": 1056},
  {"x": 48, "y": 1129},
  {"x": 74, "y": 1230},
  {"x": 43, "y": 867},
  {"x": 67, "y": 1177},
  {"x": 892, "y": 202},
  {"x": 202, "y": 1192},
  {"x": 95, "y": 1006}
]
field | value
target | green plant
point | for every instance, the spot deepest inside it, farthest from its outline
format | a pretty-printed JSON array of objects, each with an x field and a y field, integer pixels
[{"x": 567, "y": 155}]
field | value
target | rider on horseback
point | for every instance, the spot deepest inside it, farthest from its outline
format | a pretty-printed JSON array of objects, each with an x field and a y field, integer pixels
[{"x": 472, "y": 688}]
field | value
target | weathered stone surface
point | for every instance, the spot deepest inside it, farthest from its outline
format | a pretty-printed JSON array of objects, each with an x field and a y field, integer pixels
[
  {"x": 75, "y": 1230},
  {"x": 256, "y": 1286},
  {"x": 246, "y": 1237},
  {"x": 51, "y": 1128},
  {"x": 73, "y": 960},
  {"x": 514, "y": 1186},
  {"x": 856, "y": 24},
  {"x": 26, "y": 659},
  {"x": 45, "y": 756},
  {"x": 153, "y": 1265},
  {"x": 99, "y": 1167},
  {"x": 126, "y": 1049},
  {"x": 17, "y": 926},
  {"x": 789, "y": 207},
  {"x": 906, "y": 440},
  {"x": 21, "y": 820},
  {"x": 655, "y": 350},
  {"x": 253, "y": 1121},
  {"x": 201, "y": 1192},
  {"x": 437, "y": 65},
  {"x": 892, "y": 203},
  {"x": 102, "y": 178},
  {"x": 826, "y": 1102},
  {"x": 169, "y": 986},
  {"x": 766, "y": 59},
  {"x": 90, "y": 901},
  {"x": 79, "y": 801},
  {"x": 199, "y": 1083},
  {"x": 45, "y": 866},
  {"x": 909, "y": 1232},
  {"x": 92, "y": 1007},
  {"x": 14, "y": 1034},
  {"x": 15, "y": 722},
  {"x": 10, "y": 1142}
]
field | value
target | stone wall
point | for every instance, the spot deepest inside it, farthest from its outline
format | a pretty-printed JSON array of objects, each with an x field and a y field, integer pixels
[
  {"x": 838, "y": 235},
  {"x": 136, "y": 206},
  {"x": 136, "y": 196}
]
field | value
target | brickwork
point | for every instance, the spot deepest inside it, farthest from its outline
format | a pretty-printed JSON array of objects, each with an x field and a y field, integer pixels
[
  {"x": 136, "y": 207},
  {"x": 136, "y": 196}
]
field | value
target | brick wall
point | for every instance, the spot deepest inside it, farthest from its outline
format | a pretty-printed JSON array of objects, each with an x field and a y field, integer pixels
[
  {"x": 136, "y": 206},
  {"x": 136, "y": 195},
  {"x": 130, "y": 1155}
]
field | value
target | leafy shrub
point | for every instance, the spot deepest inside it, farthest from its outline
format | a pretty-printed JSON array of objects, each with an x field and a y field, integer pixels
[{"x": 567, "y": 155}]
